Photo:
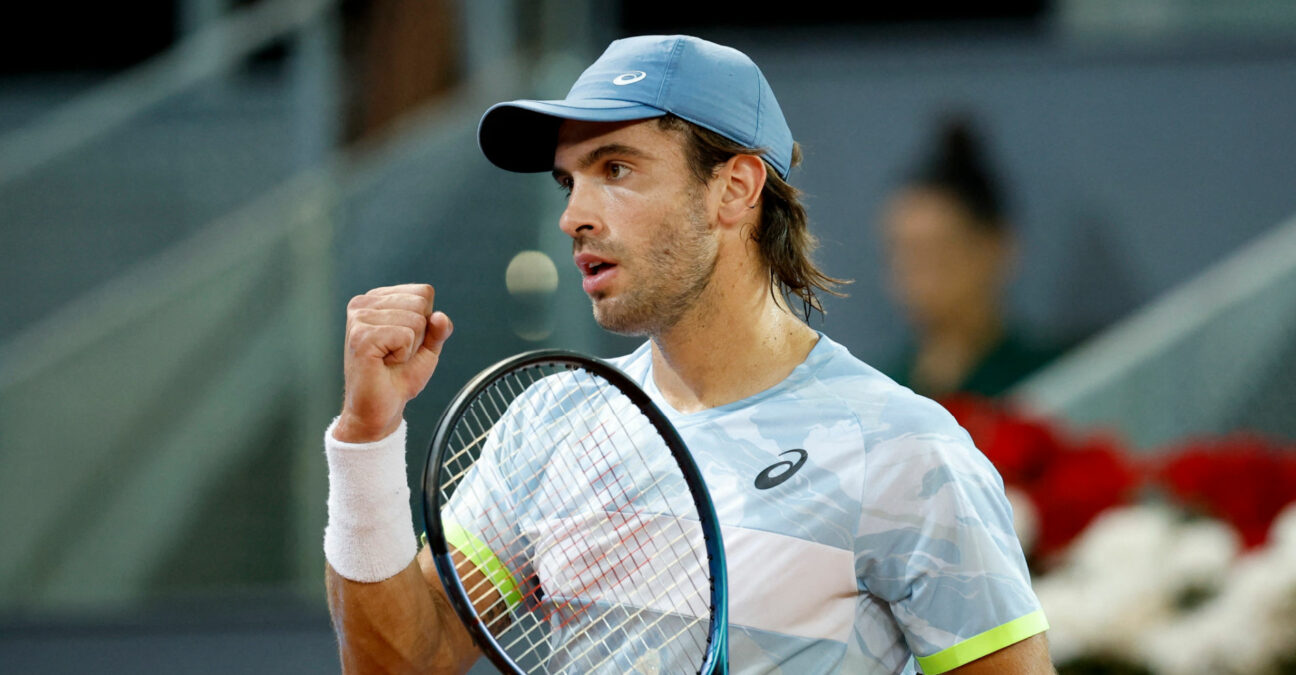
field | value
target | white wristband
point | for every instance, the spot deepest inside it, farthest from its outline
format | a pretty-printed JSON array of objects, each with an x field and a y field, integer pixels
[{"x": 370, "y": 532}]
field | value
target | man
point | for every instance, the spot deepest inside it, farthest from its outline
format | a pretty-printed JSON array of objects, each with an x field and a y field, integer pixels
[{"x": 869, "y": 530}]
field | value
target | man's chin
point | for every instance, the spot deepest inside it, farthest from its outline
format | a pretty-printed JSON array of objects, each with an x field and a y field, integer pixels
[
  {"x": 618, "y": 322},
  {"x": 621, "y": 328}
]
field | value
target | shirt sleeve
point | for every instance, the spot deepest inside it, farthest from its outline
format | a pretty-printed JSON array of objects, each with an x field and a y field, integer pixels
[{"x": 936, "y": 541}]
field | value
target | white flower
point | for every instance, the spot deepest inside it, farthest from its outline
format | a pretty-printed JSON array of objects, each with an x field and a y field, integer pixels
[
  {"x": 1121, "y": 540},
  {"x": 1246, "y": 627},
  {"x": 1117, "y": 591},
  {"x": 1282, "y": 534},
  {"x": 1199, "y": 553},
  {"x": 1112, "y": 586}
]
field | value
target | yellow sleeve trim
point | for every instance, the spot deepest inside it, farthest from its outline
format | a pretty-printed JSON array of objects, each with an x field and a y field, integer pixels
[
  {"x": 977, "y": 646},
  {"x": 486, "y": 562}
]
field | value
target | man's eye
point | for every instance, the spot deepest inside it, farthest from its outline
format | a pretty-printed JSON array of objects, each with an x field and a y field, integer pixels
[
  {"x": 566, "y": 187},
  {"x": 617, "y": 170}
]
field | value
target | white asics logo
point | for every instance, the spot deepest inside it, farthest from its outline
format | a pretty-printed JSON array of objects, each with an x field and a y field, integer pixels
[{"x": 629, "y": 78}]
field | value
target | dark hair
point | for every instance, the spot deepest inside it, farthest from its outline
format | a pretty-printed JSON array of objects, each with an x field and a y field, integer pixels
[
  {"x": 958, "y": 167},
  {"x": 783, "y": 235}
]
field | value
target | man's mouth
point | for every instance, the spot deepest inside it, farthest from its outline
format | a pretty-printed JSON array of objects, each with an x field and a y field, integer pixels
[
  {"x": 596, "y": 272},
  {"x": 591, "y": 265},
  {"x": 595, "y": 268}
]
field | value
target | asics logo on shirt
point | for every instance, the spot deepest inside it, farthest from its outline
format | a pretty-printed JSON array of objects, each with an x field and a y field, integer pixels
[{"x": 778, "y": 472}]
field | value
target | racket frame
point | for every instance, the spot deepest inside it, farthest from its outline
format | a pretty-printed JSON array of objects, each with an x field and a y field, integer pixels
[{"x": 716, "y": 659}]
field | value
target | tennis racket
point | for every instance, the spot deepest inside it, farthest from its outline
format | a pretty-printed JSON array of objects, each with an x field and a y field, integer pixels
[{"x": 570, "y": 526}]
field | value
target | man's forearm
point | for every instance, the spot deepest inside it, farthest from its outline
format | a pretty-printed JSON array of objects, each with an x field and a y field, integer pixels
[{"x": 403, "y": 624}]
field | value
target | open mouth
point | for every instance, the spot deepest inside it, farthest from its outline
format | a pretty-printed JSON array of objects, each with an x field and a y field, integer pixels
[
  {"x": 597, "y": 274},
  {"x": 593, "y": 269},
  {"x": 592, "y": 265}
]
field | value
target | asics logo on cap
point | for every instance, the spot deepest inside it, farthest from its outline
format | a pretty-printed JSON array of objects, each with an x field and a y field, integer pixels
[{"x": 629, "y": 78}]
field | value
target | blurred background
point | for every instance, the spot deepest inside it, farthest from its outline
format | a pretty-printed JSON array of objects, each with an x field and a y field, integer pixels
[{"x": 190, "y": 191}]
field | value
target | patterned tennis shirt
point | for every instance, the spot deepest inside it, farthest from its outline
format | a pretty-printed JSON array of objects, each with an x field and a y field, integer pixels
[{"x": 863, "y": 531}]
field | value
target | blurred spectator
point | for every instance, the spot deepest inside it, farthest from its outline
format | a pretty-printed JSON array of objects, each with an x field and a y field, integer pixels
[{"x": 951, "y": 251}]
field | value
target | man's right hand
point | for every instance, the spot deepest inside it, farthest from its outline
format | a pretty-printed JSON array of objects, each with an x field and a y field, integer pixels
[
  {"x": 393, "y": 344},
  {"x": 403, "y": 623}
]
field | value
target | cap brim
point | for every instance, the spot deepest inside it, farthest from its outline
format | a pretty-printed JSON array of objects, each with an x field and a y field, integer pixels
[{"x": 521, "y": 135}]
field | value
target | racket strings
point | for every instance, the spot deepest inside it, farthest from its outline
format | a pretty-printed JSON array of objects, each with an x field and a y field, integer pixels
[
  {"x": 610, "y": 506},
  {"x": 627, "y": 497},
  {"x": 687, "y": 625},
  {"x": 682, "y": 534},
  {"x": 580, "y": 418},
  {"x": 468, "y": 453},
  {"x": 646, "y": 604},
  {"x": 607, "y": 507},
  {"x": 610, "y": 466},
  {"x": 666, "y": 589},
  {"x": 494, "y": 399},
  {"x": 538, "y": 414}
]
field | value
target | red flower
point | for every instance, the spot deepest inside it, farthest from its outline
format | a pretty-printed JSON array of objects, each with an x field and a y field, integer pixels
[
  {"x": 1077, "y": 485},
  {"x": 1243, "y": 479},
  {"x": 1023, "y": 450}
]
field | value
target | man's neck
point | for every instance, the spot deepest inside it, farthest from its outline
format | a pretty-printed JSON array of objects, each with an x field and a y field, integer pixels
[{"x": 729, "y": 349}]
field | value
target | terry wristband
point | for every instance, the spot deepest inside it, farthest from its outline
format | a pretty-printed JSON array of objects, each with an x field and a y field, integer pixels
[{"x": 370, "y": 532}]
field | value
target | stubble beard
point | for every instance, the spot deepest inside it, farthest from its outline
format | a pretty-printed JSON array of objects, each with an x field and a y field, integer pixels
[{"x": 673, "y": 275}]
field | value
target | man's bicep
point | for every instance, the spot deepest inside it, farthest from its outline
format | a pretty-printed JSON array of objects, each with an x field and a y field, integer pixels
[{"x": 1027, "y": 657}]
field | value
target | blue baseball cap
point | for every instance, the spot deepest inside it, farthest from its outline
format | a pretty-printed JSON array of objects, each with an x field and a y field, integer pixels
[{"x": 710, "y": 85}]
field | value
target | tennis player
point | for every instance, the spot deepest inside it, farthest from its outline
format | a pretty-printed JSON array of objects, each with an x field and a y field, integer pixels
[{"x": 864, "y": 532}]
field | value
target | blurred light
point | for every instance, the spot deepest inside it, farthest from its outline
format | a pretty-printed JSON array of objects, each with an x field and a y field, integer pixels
[
  {"x": 531, "y": 272},
  {"x": 531, "y": 279}
]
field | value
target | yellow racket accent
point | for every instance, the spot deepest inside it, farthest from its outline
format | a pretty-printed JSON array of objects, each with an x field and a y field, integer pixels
[{"x": 486, "y": 562}]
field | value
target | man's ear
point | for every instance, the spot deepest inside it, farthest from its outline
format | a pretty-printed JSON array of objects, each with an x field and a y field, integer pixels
[{"x": 744, "y": 179}]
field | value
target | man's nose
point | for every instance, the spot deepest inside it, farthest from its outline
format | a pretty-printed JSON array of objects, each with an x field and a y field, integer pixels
[{"x": 580, "y": 218}]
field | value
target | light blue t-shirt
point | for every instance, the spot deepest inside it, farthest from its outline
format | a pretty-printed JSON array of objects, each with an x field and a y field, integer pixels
[{"x": 861, "y": 526}]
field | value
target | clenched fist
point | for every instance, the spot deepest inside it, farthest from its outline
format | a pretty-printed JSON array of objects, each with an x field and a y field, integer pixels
[{"x": 393, "y": 343}]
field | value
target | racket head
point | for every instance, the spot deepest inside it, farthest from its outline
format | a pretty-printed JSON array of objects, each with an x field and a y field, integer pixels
[{"x": 591, "y": 389}]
